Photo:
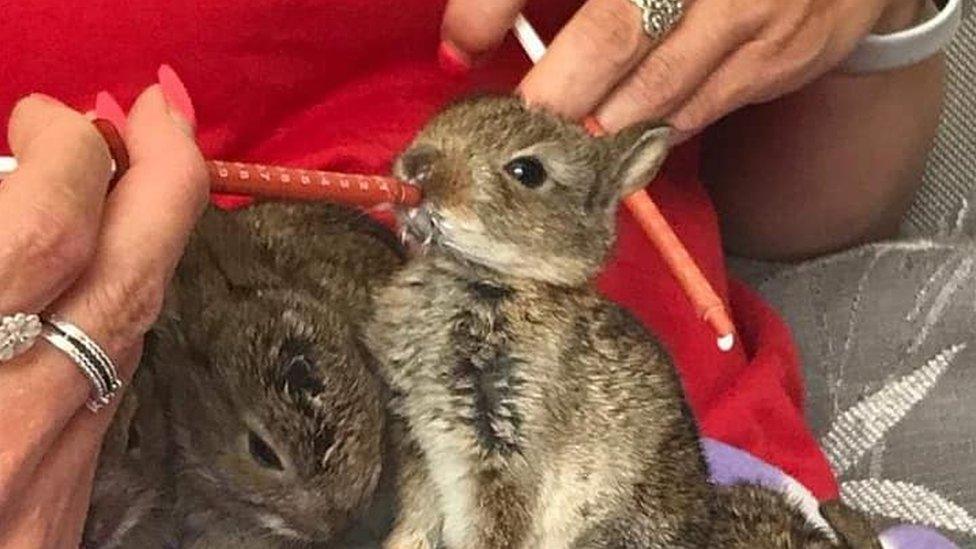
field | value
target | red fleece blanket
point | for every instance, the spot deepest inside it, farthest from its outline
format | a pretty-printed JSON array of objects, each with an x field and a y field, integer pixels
[{"x": 343, "y": 85}]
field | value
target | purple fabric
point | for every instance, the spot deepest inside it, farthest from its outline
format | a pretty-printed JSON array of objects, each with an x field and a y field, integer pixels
[
  {"x": 729, "y": 465},
  {"x": 906, "y": 536}
]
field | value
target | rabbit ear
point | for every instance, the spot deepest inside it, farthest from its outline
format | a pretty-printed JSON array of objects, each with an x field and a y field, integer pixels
[
  {"x": 636, "y": 155},
  {"x": 236, "y": 254},
  {"x": 298, "y": 371},
  {"x": 221, "y": 258},
  {"x": 224, "y": 254}
]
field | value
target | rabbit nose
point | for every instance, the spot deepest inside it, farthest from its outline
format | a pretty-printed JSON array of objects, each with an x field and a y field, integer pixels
[{"x": 417, "y": 164}]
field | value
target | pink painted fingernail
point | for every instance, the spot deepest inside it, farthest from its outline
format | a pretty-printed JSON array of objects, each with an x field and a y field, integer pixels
[
  {"x": 108, "y": 108},
  {"x": 175, "y": 93},
  {"x": 452, "y": 60}
]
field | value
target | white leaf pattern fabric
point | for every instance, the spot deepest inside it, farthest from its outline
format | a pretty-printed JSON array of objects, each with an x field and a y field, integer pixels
[
  {"x": 887, "y": 337},
  {"x": 908, "y": 502},
  {"x": 865, "y": 424}
]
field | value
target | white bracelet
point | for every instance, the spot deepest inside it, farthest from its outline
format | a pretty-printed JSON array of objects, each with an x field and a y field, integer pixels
[{"x": 885, "y": 52}]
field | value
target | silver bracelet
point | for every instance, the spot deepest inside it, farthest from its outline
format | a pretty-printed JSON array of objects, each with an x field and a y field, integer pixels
[{"x": 885, "y": 52}]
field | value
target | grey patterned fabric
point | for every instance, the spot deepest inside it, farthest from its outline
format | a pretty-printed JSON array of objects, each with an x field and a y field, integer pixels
[
  {"x": 943, "y": 206},
  {"x": 886, "y": 335}
]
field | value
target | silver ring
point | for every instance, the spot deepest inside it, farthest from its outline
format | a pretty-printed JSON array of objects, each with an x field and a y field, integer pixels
[
  {"x": 88, "y": 356},
  {"x": 18, "y": 332},
  {"x": 659, "y": 16}
]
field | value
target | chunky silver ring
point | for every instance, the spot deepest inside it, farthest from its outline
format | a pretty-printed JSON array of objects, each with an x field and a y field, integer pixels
[
  {"x": 18, "y": 332},
  {"x": 88, "y": 356},
  {"x": 659, "y": 16}
]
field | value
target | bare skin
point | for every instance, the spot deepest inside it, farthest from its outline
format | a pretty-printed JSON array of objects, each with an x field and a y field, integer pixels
[{"x": 102, "y": 263}]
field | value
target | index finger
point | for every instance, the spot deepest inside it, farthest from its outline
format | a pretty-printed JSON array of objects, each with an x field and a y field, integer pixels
[
  {"x": 600, "y": 45},
  {"x": 51, "y": 206}
]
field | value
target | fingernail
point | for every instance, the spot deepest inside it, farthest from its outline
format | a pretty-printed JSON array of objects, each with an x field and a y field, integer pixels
[
  {"x": 176, "y": 95},
  {"x": 452, "y": 60},
  {"x": 108, "y": 108}
]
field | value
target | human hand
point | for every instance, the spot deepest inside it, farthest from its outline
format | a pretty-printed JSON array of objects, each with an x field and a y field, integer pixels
[
  {"x": 723, "y": 55},
  {"x": 101, "y": 262}
]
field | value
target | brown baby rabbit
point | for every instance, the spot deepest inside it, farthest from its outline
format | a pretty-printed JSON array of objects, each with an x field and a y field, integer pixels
[
  {"x": 277, "y": 417},
  {"x": 339, "y": 253},
  {"x": 539, "y": 414},
  {"x": 132, "y": 499}
]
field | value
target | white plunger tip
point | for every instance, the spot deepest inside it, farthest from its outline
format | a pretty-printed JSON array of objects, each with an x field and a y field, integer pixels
[
  {"x": 8, "y": 165},
  {"x": 726, "y": 342}
]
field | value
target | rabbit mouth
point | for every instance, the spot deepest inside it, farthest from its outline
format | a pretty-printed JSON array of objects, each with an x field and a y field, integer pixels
[{"x": 421, "y": 226}]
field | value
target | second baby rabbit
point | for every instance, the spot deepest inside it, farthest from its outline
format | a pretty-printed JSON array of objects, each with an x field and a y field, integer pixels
[
  {"x": 257, "y": 368},
  {"x": 276, "y": 415},
  {"x": 538, "y": 413}
]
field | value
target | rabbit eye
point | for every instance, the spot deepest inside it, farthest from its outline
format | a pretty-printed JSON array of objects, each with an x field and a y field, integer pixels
[
  {"x": 262, "y": 453},
  {"x": 527, "y": 170}
]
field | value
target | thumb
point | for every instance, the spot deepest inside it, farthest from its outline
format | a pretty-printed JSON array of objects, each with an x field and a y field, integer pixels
[
  {"x": 156, "y": 203},
  {"x": 475, "y": 27}
]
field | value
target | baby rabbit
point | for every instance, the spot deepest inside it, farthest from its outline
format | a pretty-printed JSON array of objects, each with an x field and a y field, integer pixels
[
  {"x": 277, "y": 417},
  {"x": 339, "y": 253},
  {"x": 132, "y": 500},
  {"x": 539, "y": 414}
]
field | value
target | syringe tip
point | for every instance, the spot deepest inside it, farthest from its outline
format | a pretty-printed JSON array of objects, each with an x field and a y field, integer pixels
[{"x": 726, "y": 342}]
